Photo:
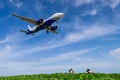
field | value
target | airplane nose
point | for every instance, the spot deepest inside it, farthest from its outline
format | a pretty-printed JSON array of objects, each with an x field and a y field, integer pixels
[
  {"x": 57, "y": 16},
  {"x": 61, "y": 15}
]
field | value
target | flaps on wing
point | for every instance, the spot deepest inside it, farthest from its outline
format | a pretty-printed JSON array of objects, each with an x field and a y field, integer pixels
[{"x": 26, "y": 19}]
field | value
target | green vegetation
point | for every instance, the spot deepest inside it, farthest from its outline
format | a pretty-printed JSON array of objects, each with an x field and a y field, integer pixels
[{"x": 64, "y": 76}]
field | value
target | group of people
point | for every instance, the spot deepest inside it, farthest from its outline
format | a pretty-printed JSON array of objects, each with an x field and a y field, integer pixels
[{"x": 88, "y": 71}]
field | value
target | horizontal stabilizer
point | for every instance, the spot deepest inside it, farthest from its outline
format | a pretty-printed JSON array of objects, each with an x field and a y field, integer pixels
[
  {"x": 23, "y": 31},
  {"x": 26, "y": 32}
]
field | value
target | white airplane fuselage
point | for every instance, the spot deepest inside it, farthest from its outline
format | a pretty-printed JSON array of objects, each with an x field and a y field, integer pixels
[{"x": 45, "y": 24}]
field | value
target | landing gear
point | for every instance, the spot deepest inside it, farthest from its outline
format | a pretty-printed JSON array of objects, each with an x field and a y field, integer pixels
[
  {"x": 56, "y": 27},
  {"x": 47, "y": 31},
  {"x": 40, "y": 21}
]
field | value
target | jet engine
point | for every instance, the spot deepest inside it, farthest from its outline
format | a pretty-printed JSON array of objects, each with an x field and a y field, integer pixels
[
  {"x": 39, "y": 21},
  {"x": 54, "y": 28}
]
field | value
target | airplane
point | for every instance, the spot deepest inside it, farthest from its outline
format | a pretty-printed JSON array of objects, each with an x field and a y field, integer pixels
[{"x": 41, "y": 24}]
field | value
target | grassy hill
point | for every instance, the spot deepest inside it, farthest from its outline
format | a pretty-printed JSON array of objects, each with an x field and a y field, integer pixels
[{"x": 64, "y": 76}]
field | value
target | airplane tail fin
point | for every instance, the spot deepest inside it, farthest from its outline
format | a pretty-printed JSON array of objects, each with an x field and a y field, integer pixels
[{"x": 29, "y": 27}]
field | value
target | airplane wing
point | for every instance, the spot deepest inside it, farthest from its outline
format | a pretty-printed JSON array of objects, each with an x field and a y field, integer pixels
[{"x": 26, "y": 19}]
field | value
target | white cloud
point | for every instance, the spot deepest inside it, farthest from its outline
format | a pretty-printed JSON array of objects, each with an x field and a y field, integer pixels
[
  {"x": 81, "y": 2},
  {"x": 17, "y": 51},
  {"x": 91, "y": 33},
  {"x": 10, "y": 44},
  {"x": 12, "y": 1},
  {"x": 115, "y": 53},
  {"x": 7, "y": 39},
  {"x": 32, "y": 67},
  {"x": 3, "y": 41},
  {"x": 92, "y": 12},
  {"x": 28, "y": 66},
  {"x": 67, "y": 56},
  {"x": 17, "y": 3},
  {"x": 112, "y": 3},
  {"x": 115, "y": 4},
  {"x": 86, "y": 34},
  {"x": 13, "y": 38},
  {"x": 40, "y": 64},
  {"x": 6, "y": 50},
  {"x": 38, "y": 6}
]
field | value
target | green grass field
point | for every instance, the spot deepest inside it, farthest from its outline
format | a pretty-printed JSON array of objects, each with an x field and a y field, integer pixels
[{"x": 64, "y": 76}]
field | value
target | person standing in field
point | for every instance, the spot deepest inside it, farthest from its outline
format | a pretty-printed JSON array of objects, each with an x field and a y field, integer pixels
[
  {"x": 71, "y": 70},
  {"x": 89, "y": 71}
]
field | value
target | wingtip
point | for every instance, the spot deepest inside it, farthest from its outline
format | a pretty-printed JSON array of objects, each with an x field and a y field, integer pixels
[{"x": 13, "y": 14}]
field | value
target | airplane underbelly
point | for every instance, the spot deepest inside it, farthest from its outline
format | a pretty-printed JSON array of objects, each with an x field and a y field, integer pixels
[
  {"x": 44, "y": 26},
  {"x": 49, "y": 22},
  {"x": 39, "y": 28}
]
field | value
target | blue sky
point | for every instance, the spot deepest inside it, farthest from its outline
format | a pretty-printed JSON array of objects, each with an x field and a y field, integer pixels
[{"x": 88, "y": 37}]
